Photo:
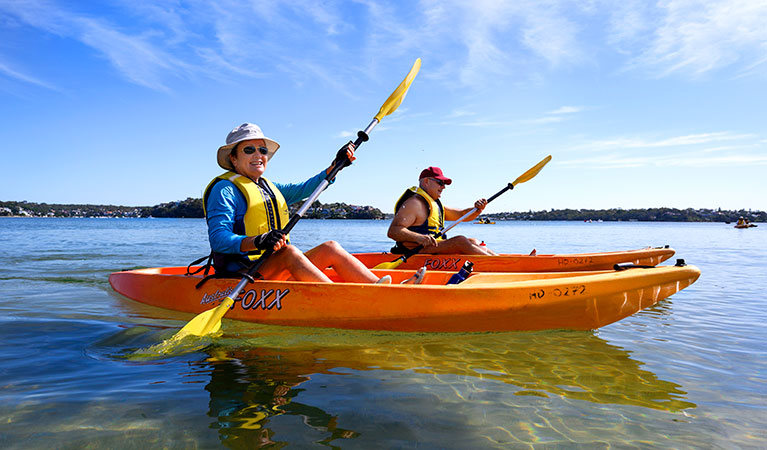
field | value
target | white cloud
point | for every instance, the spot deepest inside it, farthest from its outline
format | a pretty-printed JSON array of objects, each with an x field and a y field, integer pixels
[
  {"x": 675, "y": 141},
  {"x": 15, "y": 74},
  {"x": 676, "y": 160},
  {"x": 694, "y": 150},
  {"x": 698, "y": 36},
  {"x": 135, "y": 57},
  {"x": 138, "y": 60},
  {"x": 545, "y": 120},
  {"x": 460, "y": 113},
  {"x": 465, "y": 44},
  {"x": 566, "y": 110}
]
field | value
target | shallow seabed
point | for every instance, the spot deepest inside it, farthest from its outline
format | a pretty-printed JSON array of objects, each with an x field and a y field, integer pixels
[{"x": 689, "y": 372}]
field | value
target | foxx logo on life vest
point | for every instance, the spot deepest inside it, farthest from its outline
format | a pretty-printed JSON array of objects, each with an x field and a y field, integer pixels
[{"x": 253, "y": 299}]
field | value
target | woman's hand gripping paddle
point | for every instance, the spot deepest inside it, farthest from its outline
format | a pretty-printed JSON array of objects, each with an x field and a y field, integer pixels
[
  {"x": 532, "y": 172},
  {"x": 210, "y": 321}
]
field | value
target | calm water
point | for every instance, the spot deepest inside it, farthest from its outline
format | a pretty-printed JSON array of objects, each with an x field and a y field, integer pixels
[{"x": 690, "y": 372}]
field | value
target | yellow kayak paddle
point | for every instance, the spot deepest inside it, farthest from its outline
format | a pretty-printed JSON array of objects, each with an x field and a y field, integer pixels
[{"x": 210, "y": 321}]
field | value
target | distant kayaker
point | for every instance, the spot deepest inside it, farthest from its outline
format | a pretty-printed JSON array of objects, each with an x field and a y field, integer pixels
[
  {"x": 245, "y": 213},
  {"x": 419, "y": 216}
]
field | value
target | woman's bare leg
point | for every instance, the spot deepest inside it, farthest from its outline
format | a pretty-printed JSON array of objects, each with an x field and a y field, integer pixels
[
  {"x": 349, "y": 268},
  {"x": 296, "y": 263}
]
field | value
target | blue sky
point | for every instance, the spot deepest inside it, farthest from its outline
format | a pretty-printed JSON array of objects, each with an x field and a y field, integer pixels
[{"x": 641, "y": 104}]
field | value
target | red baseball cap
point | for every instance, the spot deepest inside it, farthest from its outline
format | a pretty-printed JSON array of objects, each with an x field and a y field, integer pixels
[{"x": 434, "y": 172}]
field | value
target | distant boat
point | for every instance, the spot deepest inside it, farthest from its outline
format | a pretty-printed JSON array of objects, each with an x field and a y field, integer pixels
[{"x": 744, "y": 223}]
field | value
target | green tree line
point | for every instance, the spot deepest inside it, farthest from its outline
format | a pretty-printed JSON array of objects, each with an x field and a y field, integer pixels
[
  {"x": 189, "y": 208},
  {"x": 641, "y": 215},
  {"x": 192, "y": 208}
]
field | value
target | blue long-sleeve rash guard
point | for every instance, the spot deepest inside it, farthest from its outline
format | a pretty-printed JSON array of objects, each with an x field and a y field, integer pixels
[{"x": 226, "y": 205}]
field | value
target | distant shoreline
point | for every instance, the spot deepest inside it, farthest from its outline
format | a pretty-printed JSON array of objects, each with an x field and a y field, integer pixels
[
  {"x": 192, "y": 209},
  {"x": 385, "y": 219}
]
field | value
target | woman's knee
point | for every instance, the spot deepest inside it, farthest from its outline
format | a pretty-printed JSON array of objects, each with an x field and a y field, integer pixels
[
  {"x": 330, "y": 247},
  {"x": 291, "y": 253}
]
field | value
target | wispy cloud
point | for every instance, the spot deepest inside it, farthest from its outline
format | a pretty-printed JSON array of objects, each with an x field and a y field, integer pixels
[
  {"x": 694, "y": 150},
  {"x": 675, "y": 141},
  {"x": 134, "y": 56},
  {"x": 558, "y": 115},
  {"x": 566, "y": 110},
  {"x": 466, "y": 43},
  {"x": 545, "y": 120},
  {"x": 676, "y": 160},
  {"x": 16, "y": 75},
  {"x": 458, "y": 113},
  {"x": 696, "y": 37}
]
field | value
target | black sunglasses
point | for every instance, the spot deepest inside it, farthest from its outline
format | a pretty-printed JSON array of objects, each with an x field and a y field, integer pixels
[
  {"x": 439, "y": 182},
  {"x": 249, "y": 150}
]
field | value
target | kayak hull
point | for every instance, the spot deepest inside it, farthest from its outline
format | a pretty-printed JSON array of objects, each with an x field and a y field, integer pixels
[
  {"x": 649, "y": 256},
  {"x": 484, "y": 302}
]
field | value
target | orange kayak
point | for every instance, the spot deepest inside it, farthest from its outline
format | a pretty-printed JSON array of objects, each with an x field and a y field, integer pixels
[
  {"x": 484, "y": 302},
  {"x": 649, "y": 256}
]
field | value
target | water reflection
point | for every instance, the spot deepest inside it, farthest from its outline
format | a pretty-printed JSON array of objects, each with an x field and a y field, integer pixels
[
  {"x": 248, "y": 388},
  {"x": 259, "y": 374}
]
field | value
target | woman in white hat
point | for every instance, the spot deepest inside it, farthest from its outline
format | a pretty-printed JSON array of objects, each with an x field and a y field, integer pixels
[{"x": 245, "y": 213}]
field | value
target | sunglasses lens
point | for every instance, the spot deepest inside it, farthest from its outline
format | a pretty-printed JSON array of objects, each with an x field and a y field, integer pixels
[{"x": 249, "y": 150}]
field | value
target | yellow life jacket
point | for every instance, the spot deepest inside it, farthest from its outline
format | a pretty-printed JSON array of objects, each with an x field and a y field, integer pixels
[
  {"x": 436, "y": 220},
  {"x": 267, "y": 209}
]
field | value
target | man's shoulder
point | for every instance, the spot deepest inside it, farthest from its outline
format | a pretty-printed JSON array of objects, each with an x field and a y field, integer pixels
[{"x": 415, "y": 202}]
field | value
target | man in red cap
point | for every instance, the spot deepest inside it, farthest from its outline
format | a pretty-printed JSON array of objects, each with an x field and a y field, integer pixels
[{"x": 419, "y": 216}]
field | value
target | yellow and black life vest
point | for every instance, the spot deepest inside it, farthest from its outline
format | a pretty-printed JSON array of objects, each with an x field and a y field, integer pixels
[
  {"x": 267, "y": 209},
  {"x": 436, "y": 220}
]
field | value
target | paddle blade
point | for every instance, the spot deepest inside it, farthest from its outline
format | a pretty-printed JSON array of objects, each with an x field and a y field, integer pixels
[
  {"x": 532, "y": 172},
  {"x": 392, "y": 103},
  {"x": 390, "y": 265},
  {"x": 207, "y": 322}
]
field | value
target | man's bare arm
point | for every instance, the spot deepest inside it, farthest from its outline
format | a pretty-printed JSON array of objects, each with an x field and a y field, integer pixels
[{"x": 412, "y": 212}]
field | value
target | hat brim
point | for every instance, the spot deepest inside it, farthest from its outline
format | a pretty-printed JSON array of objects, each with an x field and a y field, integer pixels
[{"x": 225, "y": 150}]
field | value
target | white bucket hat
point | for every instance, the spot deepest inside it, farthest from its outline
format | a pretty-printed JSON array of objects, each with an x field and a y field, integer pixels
[{"x": 244, "y": 132}]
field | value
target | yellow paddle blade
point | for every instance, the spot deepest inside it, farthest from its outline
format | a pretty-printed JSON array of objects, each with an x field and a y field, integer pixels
[
  {"x": 392, "y": 103},
  {"x": 207, "y": 322},
  {"x": 532, "y": 172},
  {"x": 389, "y": 265}
]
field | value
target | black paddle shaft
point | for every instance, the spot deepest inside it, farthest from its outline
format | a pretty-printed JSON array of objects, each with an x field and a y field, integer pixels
[
  {"x": 497, "y": 194},
  {"x": 340, "y": 164}
]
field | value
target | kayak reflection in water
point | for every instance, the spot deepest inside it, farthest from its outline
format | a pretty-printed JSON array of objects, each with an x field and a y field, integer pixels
[
  {"x": 419, "y": 216},
  {"x": 245, "y": 213}
]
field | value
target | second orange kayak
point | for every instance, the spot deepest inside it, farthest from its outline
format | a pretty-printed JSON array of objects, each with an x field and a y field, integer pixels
[{"x": 649, "y": 256}]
